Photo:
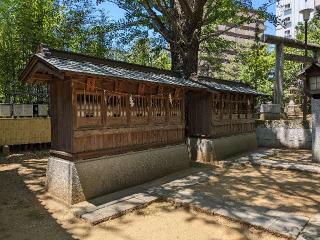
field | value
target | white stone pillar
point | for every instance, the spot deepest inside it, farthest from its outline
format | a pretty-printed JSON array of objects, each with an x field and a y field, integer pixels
[{"x": 315, "y": 104}]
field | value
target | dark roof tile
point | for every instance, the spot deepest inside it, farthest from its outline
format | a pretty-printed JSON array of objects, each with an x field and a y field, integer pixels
[
  {"x": 228, "y": 86},
  {"x": 64, "y": 64}
]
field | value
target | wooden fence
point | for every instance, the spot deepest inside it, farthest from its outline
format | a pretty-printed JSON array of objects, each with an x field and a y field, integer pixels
[{"x": 24, "y": 131}]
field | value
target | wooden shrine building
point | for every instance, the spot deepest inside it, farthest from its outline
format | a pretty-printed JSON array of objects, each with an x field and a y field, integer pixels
[
  {"x": 227, "y": 108},
  {"x": 116, "y": 125},
  {"x": 221, "y": 120}
]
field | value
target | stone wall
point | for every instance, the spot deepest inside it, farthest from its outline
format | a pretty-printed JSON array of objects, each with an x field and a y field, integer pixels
[
  {"x": 73, "y": 182},
  {"x": 284, "y": 134}
]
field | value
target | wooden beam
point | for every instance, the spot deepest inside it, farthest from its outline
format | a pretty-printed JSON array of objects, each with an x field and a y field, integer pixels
[
  {"x": 141, "y": 88},
  {"x": 41, "y": 77},
  {"x": 288, "y": 42},
  {"x": 298, "y": 58}
]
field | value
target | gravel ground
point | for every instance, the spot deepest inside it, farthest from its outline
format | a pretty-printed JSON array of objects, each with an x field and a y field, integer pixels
[{"x": 27, "y": 212}]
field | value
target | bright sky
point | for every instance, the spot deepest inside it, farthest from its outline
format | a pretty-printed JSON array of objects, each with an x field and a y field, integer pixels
[{"x": 116, "y": 13}]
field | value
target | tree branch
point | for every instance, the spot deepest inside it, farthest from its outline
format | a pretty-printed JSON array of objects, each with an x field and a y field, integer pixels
[
  {"x": 158, "y": 24},
  {"x": 185, "y": 7}
]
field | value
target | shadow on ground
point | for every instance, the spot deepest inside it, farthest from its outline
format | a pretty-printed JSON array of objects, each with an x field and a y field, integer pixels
[
  {"x": 27, "y": 212},
  {"x": 288, "y": 191},
  {"x": 22, "y": 216}
]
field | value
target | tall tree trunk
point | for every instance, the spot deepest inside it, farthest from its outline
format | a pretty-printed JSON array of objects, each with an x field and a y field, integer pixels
[
  {"x": 184, "y": 57},
  {"x": 176, "y": 58},
  {"x": 190, "y": 60},
  {"x": 185, "y": 45}
]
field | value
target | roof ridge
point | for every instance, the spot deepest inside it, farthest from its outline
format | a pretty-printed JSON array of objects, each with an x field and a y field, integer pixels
[
  {"x": 224, "y": 81},
  {"x": 47, "y": 51}
]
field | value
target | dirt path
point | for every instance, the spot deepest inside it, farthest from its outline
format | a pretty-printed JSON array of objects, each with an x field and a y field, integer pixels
[{"x": 27, "y": 212}]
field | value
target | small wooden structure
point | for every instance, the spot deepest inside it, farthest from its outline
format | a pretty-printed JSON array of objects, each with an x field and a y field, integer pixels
[
  {"x": 221, "y": 120},
  {"x": 116, "y": 124},
  {"x": 227, "y": 108},
  {"x": 105, "y": 109},
  {"x": 312, "y": 77}
]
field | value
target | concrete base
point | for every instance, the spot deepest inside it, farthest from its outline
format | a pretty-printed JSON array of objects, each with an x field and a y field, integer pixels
[
  {"x": 74, "y": 182},
  {"x": 315, "y": 105},
  {"x": 209, "y": 150}
]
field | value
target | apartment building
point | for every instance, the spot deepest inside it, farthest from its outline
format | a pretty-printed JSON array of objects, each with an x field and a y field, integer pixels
[
  {"x": 242, "y": 37},
  {"x": 288, "y": 14}
]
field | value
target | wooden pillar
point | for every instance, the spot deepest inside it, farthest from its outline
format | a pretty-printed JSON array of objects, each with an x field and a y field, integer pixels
[
  {"x": 167, "y": 108},
  {"x": 278, "y": 84}
]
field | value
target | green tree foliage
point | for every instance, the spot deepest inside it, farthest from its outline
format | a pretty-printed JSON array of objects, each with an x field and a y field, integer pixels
[
  {"x": 185, "y": 24},
  {"x": 144, "y": 53},
  {"x": 313, "y": 29},
  {"x": 212, "y": 57},
  {"x": 21, "y": 24},
  {"x": 256, "y": 66},
  {"x": 70, "y": 25}
]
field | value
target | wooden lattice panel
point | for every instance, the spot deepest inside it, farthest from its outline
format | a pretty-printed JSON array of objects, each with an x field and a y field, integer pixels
[
  {"x": 176, "y": 110},
  {"x": 116, "y": 109},
  {"x": 88, "y": 108},
  {"x": 158, "y": 109},
  {"x": 139, "y": 110}
]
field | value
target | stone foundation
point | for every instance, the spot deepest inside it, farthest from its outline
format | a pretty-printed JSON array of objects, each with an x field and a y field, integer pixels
[
  {"x": 73, "y": 182},
  {"x": 283, "y": 134},
  {"x": 209, "y": 150}
]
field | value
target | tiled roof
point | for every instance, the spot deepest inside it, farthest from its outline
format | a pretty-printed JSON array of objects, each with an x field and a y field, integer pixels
[
  {"x": 72, "y": 65},
  {"x": 228, "y": 86},
  {"x": 78, "y": 63}
]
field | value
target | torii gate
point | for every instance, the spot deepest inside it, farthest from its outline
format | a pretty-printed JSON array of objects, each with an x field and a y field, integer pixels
[{"x": 280, "y": 43}]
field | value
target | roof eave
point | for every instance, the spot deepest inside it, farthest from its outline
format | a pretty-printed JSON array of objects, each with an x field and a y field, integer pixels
[
  {"x": 32, "y": 68},
  {"x": 26, "y": 72},
  {"x": 210, "y": 88},
  {"x": 302, "y": 73}
]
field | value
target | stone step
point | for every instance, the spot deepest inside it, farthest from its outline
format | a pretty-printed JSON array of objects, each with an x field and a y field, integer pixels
[
  {"x": 116, "y": 204},
  {"x": 279, "y": 222},
  {"x": 117, "y": 208},
  {"x": 312, "y": 230}
]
